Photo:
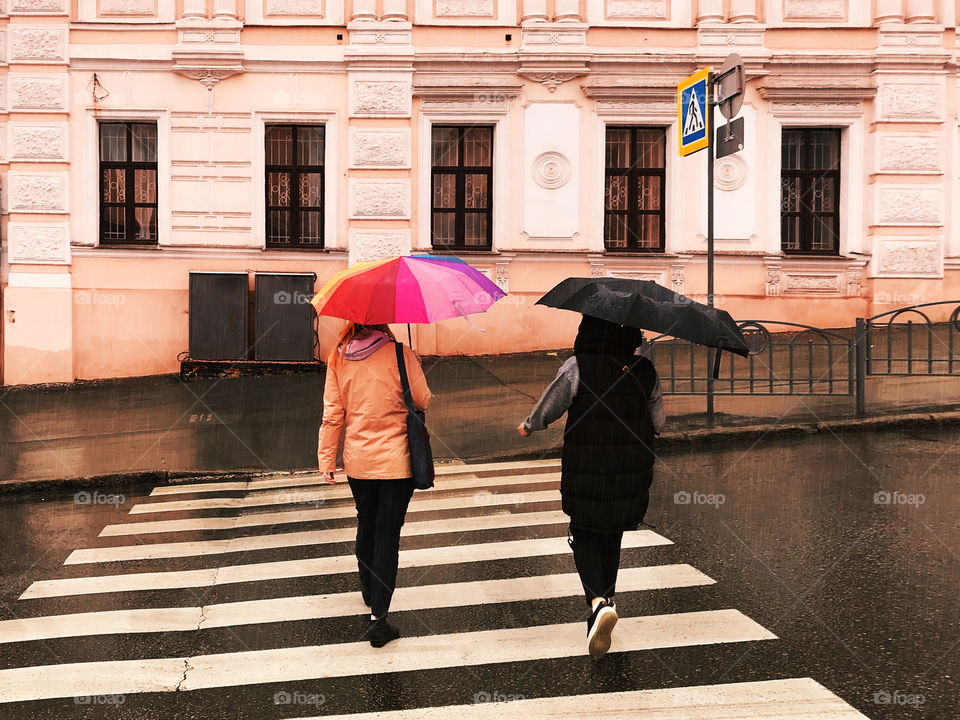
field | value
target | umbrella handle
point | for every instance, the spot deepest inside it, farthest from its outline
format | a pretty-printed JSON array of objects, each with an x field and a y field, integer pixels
[{"x": 716, "y": 363}]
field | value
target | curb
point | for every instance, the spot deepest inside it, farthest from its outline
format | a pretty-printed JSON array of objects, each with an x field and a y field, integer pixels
[{"x": 667, "y": 442}]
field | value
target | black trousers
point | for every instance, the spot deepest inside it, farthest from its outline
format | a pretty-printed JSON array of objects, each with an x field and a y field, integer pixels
[
  {"x": 597, "y": 556},
  {"x": 381, "y": 509}
]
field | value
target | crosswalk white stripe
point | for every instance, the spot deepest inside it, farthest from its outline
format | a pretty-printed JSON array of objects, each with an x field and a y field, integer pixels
[
  {"x": 796, "y": 698},
  {"x": 443, "y": 469},
  {"x": 311, "y": 607},
  {"x": 480, "y": 499},
  {"x": 356, "y": 659},
  {"x": 331, "y": 492},
  {"x": 257, "y": 572},
  {"x": 156, "y": 551}
]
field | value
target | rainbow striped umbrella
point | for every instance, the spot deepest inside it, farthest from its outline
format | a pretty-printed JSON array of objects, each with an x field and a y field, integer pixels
[{"x": 408, "y": 289}]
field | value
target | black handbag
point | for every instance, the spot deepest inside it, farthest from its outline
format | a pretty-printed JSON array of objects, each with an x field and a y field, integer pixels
[{"x": 418, "y": 438}]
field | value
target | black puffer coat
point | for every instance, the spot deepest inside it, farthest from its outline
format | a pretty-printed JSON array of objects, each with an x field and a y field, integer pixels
[{"x": 608, "y": 450}]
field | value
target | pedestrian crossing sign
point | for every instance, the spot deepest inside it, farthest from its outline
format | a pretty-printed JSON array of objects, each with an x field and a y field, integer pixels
[{"x": 692, "y": 112}]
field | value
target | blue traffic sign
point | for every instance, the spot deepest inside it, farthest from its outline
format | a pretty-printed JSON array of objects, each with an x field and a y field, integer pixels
[{"x": 692, "y": 112}]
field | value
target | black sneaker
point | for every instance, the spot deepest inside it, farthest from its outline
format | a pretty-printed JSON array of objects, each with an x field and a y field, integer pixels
[
  {"x": 381, "y": 632},
  {"x": 599, "y": 627}
]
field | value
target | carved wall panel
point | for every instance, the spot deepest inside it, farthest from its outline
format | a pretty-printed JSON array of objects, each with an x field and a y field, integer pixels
[
  {"x": 379, "y": 148},
  {"x": 909, "y": 205},
  {"x": 37, "y": 192},
  {"x": 814, "y": 9},
  {"x": 366, "y": 245},
  {"x": 38, "y": 44},
  {"x": 38, "y": 142},
  {"x": 294, "y": 7},
  {"x": 39, "y": 243},
  {"x": 643, "y": 9},
  {"x": 466, "y": 8},
  {"x": 905, "y": 154},
  {"x": 911, "y": 102},
  {"x": 38, "y": 7},
  {"x": 811, "y": 283},
  {"x": 38, "y": 93},
  {"x": 380, "y": 98},
  {"x": 128, "y": 7},
  {"x": 377, "y": 198},
  {"x": 909, "y": 258}
]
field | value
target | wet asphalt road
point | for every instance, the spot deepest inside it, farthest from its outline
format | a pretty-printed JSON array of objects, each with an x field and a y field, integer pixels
[{"x": 847, "y": 548}]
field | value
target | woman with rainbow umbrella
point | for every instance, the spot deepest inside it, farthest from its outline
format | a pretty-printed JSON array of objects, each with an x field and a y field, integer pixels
[{"x": 363, "y": 398}]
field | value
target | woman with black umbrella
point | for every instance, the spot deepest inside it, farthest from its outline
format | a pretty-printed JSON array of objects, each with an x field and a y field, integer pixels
[{"x": 615, "y": 410}]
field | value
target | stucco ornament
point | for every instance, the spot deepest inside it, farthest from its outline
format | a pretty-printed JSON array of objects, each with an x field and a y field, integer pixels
[
  {"x": 730, "y": 173},
  {"x": 36, "y": 243},
  {"x": 381, "y": 97},
  {"x": 465, "y": 8},
  {"x": 810, "y": 9},
  {"x": 37, "y": 142},
  {"x": 910, "y": 102},
  {"x": 911, "y": 154},
  {"x": 38, "y": 193},
  {"x": 653, "y": 9},
  {"x": 38, "y": 43},
  {"x": 37, "y": 93},
  {"x": 379, "y": 199},
  {"x": 294, "y": 7},
  {"x": 551, "y": 170},
  {"x": 773, "y": 281},
  {"x": 379, "y": 148},
  {"x": 38, "y": 6},
  {"x": 854, "y": 283},
  {"x": 127, "y": 7},
  {"x": 908, "y": 206},
  {"x": 909, "y": 258},
  {"x": 366, "y": 246}
]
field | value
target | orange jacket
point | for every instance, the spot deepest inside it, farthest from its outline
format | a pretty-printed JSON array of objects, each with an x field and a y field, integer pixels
[{"x": 364, "y": 399}]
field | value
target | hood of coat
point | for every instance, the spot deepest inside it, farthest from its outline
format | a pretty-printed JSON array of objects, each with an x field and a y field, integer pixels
[{"x": 363, "y": 347}]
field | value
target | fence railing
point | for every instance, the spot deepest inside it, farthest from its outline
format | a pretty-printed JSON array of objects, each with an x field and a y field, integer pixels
[{"x": 794, "y": 359}]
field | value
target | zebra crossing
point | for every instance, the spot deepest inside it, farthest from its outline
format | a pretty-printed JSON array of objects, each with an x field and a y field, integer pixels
[{"x": 194, "y": 567}]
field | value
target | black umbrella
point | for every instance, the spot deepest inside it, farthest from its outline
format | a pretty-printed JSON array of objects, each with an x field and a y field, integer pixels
[{"x": 646, "y": 305}]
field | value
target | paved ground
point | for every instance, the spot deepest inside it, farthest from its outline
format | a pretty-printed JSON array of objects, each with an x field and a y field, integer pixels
[
  {"x": 270, "y": 423},
  {"x": 807, "y": 578}
]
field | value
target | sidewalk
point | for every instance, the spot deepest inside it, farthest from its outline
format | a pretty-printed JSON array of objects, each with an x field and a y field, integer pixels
[{"x": 162, "y": 426}]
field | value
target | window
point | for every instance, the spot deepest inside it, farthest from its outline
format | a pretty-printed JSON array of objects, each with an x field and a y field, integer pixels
[
  {"x": 810, "y": 191},
  {"x": 295, "y": 186},
  {"x": 128, "y": 183},
  {"x": 462, "y": 177},
  {"x": 634, "y": 190}
]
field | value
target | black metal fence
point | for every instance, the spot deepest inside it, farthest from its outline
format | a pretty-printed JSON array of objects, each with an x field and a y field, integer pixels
[{"x": 794, "y": 359}]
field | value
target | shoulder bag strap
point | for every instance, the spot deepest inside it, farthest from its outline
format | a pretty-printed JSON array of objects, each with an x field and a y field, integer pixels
[{"x": 404, "y": 382}]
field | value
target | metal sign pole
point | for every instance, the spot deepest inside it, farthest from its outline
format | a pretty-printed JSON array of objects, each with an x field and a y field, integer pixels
[{"x": 710, "y": 131}]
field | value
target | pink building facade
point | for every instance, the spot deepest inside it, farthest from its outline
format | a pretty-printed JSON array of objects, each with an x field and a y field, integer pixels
[{"x": 141, "y": 140}]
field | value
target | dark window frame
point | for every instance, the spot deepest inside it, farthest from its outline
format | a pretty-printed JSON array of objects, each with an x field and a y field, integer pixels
[
  {"x": 633, "y": 173},
  {"x": 806, "y": 176},
  {"x": 129, "y": 166},
  {"x": 295, "y": 169},
  {"x": 460, "y": 210}
]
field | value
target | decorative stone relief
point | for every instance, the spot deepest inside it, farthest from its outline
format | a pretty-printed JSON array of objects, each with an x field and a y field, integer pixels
[
  {"x": 812, "y": 283},
  {"x": 901, "y": 101},
  {"x": 502, "y": 277},
  {"x": 37, "y": 243},
  {"x": 38, "y": 92},
  {"x": 678, "y": 277},
  {"x": 813, "y": 9},
  {"x": 597, "y": 270},
  {"x": 773, "y": 281},
  {"x": 38, "y": 142},
  {"x": 492, "y": 104},
  {"x": 730, "y": 173},
  {"x": 37, "y": 192},
  {"x": 38, "y": 44},
  {"x": 379, "y": 148},
  {"x": 854, "y": 283},
  {"x": 379, "y": 198},
  {"x": 551, "y": 170},
  {"x": 909, "y": 258},
  {"x": 658, "y": 276},
  {"x": 366, "y": 245},
  {"x": 821, "y": 109},
  {"x": 38, "y": 7},
  {"x": 911, "y": 154},
  {"x": 294, "y": 7},
  {"x": 465, "y": 8},
  {"x": 627, "y": 9},
  {"x": 897, "y": 205},
  {"x": 381, "y": 98},
  {"x": 128, "y": 7}
]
